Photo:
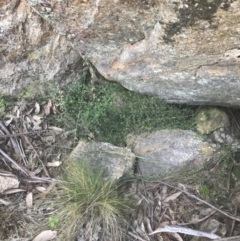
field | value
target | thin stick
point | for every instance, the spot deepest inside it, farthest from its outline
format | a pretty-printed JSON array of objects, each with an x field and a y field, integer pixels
[
  {"x": 236, "y": 238},
  {"x": 13, "y": 140},
  {"x": 199, "y": 199},
  {"x": 38, "y": 157},
  {"x": 15, "y": 163},
  {"x": 22, "y": 134}
]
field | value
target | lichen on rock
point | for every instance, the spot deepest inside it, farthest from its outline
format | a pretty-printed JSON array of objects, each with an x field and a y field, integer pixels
[{"x": 209, "y": 120}]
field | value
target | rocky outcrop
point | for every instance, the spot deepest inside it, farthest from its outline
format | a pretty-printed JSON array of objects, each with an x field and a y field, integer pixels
[
  {"x": 164, "y": 152},
  {"x": 115, "y": 161},
  {"x": 33, "y": 55},
  {"x": 181, "y": 51}
]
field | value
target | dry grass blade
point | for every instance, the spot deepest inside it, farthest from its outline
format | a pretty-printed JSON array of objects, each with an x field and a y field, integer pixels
[{"x": 199, "y": 199}]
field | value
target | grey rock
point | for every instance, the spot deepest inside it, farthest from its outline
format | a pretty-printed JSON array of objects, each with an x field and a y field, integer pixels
[
  {"x": 115, "y": 161},
  {"x": 182, "y": 53},
  {"x": 166, "y": 151}
]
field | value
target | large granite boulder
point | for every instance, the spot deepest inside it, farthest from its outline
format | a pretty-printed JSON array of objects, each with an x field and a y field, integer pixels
[
  {"x": 33, "y": 56},
  {"x": 181, "y": 51}
]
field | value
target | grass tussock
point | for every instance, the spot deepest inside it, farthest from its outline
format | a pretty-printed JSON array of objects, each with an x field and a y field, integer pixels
[{"x": 89, "y": 205}]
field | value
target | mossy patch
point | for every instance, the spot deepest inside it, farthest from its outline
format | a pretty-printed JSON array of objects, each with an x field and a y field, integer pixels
[
  {"x": 209, "y": 120},
  {"x": 108, "y": 112}
]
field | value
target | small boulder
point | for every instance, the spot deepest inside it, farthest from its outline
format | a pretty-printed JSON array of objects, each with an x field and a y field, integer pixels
[
  {"x": 115, "y": 161},
  {"x": 165, "y": 151}
]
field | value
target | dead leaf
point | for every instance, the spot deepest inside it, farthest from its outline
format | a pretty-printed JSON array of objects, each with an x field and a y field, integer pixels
[
  {"x": 40, "y": 188},
  {"x": 37, "y": 120},
  {"x": 8, "y": 183},
  {"x": 56, "y": 129},
  {"x": 45, "y": 235},
  {"x": 29, "y": 200},
  {"x": 48, "y": 107},
  {"x": 54, "y": 164},
  {"x": 37, "y": 108},
  {"x": 8, "y": 122},
  {"x": 172, "y": 197},
  {"x": 6, "y": 203},
  {"x": 16, "y": 190}
]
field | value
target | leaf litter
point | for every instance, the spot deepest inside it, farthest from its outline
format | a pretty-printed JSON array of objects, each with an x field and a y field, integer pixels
[{"x": 31, "y": 156}]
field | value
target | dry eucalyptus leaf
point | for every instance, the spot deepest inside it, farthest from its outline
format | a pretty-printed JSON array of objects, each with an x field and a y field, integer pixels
[
  {"x": 56, "y": 129},
  {"x": 29, "y": 200},
  {"x": 8, "y": 183},
  {"x": 16, "y": 190},
  {"x": 54, "y": 164},
  {"x": 37, "y": 108},
  {"x": 37, "y": 120},
  {"x": 28, "y": 120},
  {"x": 8, "y": 122},
  {"x": 4, "y": 202},
  {"x": 40, "y": 188},
  {"x": 173, "y": 197},
  {"x": 46, "y": 235},
  {"x": 47, "y": 107}
]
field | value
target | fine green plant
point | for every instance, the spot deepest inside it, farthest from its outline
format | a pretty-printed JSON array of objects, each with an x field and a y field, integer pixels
[
  {"x": 108, "y": 112},
  {"x": 227, "y": 156},
  {"x": 89, "y": 202},
  {"x": 53, "y": 221},
  {"x": 204, "y": 191}
]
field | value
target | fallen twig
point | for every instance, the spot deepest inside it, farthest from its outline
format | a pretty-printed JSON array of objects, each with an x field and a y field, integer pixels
[
  {"x": 20, "y": 167},
  {"x": 23, "y": 134},
  {"x": 236, "y": 238},
  {"x": 39, "y": 159},
  {"x": 199, "y": 220},
  {"x": 13, "y": 140},
  {"x": 188, "y": 231},
  {"x": 199, "y": 199}
]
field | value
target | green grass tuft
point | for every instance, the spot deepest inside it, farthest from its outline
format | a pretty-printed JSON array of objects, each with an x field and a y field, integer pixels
[{"x": 90, "y": 202}]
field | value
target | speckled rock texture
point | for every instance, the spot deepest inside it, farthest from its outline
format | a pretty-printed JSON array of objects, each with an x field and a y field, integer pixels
[
  {"x": 182, "y": 51},
  {"x": 162, "y": 153},
  {"x": 115, "y": 161}
]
